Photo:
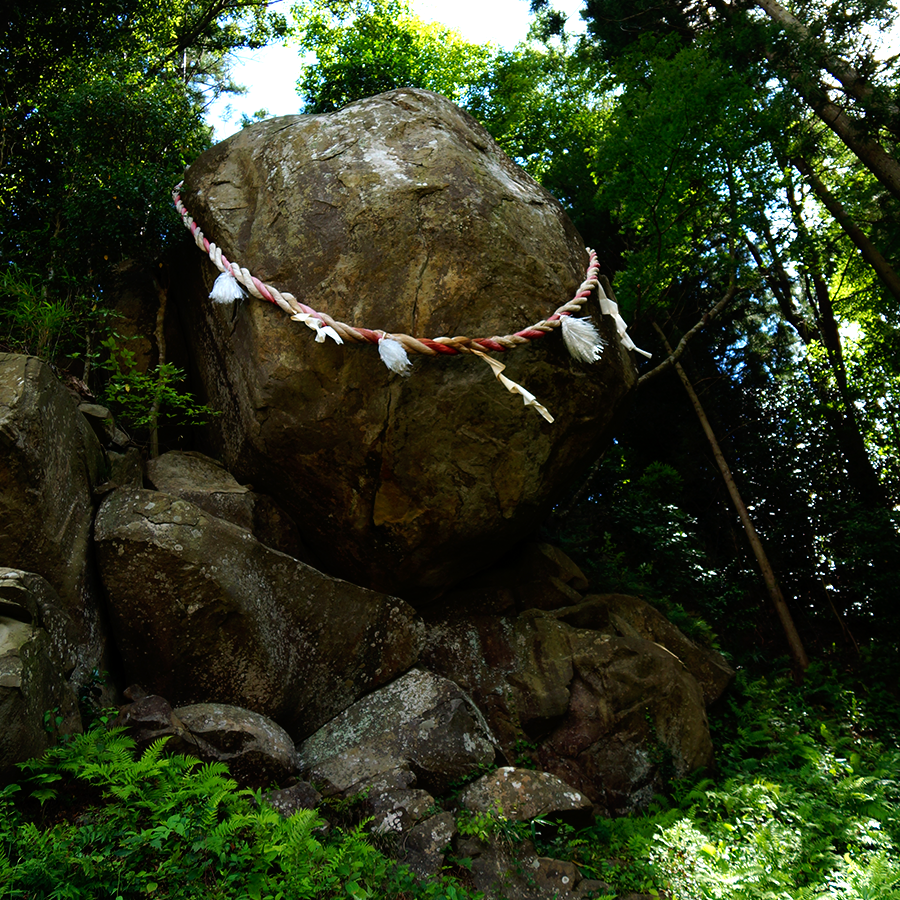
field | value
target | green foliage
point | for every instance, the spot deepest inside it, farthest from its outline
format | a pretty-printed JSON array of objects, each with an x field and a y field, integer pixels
[
  {"x": 144, "y": 400},
  {"x": 366, "y": 47},
  {"x": 168, "y": 826},
  {"x": 101, "y": 109},
  {"x": 804, "y": 805}
]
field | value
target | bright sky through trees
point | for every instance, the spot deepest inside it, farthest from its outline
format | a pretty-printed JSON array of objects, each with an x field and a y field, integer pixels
[{"x": 270, "y": 74}]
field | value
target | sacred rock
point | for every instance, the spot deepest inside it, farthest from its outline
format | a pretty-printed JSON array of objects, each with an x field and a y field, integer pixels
[{"x": 397, "y": 214}]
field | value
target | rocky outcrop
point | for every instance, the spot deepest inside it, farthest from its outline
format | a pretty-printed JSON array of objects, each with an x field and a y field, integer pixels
[
  {"x": 202, "y": 611},
  {"x": 611, "y": 715},
  {"x": 204, "y": 481},
  {"x": 38, "y": 653},
  {"x": 396, "y": 213},
  {"x": 50, "y": 460},
  {"x": 400, "y": 746},
  {"x": 631, "y": 617}
]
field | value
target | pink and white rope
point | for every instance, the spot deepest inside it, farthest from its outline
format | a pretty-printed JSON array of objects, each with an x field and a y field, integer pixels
[{"x": 425, "y": 346}]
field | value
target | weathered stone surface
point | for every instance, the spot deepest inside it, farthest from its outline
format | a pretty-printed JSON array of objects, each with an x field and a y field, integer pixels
[
  {"x": 397, "y": 812},
  {"x": 37, "y": 655},
  {"x": 633, "y": 617},
  {"x": 203, "y": 612},
  {"x": 634, "y": 713},
  {"x": 289, "y": 800},
  {"x": 423, "y": 849},
  {"x": 515, "y": 872},
  {"x": 419, "y": 725},
  {"x": 608, "y": 714},
  {"x": 524, "y": 794},
  {"x": 398, "y": 213},
  {"x": 49, "y": 460},
  {"x": 204, "y": 481},
  {"x": 256, "y": 750}
]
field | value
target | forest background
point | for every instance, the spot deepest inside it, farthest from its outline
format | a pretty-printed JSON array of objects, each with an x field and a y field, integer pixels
[{"x": 735, "y": 163}]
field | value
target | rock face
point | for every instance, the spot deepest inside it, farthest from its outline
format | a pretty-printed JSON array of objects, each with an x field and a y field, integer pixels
[
  {"x": 49, "y": 461},
  {"x": 399, "y": 747},
  {"x": 38, "y": 646},
  {"x": 609, "y": 714},
  {"x": 204, "y": 481},
  {"x": 396, "y": 213},
  {"x": 202, "y": 611}
]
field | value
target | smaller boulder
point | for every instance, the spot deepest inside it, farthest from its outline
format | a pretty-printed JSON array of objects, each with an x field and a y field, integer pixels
[
  {"x": 423, "y": 849},
  {"x": 37, "y": 656},
  {"x": 290, "y": 800},
  {"x": 201, "y": 480},
  {"x": 257, "y": 751},
  {"x": 419, "y": 723},
  {"x": 523, "y": 794}
]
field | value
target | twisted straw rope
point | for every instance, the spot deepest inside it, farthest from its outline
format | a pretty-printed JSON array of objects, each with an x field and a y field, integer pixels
[{"x": 425, "y": 346}]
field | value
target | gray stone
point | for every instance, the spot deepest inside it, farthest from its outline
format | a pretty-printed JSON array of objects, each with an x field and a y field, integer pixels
[
  {"x": 37, "y": 656},
  {"x": 201, "y": 480},
  {"x": 425, "y": 843},
  {"x": 523, "y": 794},
  {"x": 256, "y": 750},
  {"x": 203, "y": 612},
  {"x": 398, "y": 212},
  {"x": 292, "y": 799},
  {"x": 49, "y": 461},
  {"x": 420, "y": 724}
]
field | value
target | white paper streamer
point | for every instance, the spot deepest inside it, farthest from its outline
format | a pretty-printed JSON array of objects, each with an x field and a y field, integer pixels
[
  {"x": 582, "y": 340},
  {"x": 527, "y": 397},
  {"x": 226, "y": 289},
  {"x": 610, "y": 308},
  {"x": 393, "y": 355}
]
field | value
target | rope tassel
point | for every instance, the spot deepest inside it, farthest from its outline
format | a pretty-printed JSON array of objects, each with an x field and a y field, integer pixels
[
  {"x": 393, "y": 354},
  {"x": 582, "y": 339},
  {"x": 226, "y": 289}
]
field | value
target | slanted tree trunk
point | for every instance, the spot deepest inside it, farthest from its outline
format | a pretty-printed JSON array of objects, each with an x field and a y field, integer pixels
[
  {"x": 869, "y": 251},
  {"x": 797, "y": 650}
]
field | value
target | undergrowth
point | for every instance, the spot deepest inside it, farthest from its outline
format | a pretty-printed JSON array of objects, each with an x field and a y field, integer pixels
[
  {"x": 804, "y": 805},
  {"x": 90, "y": 821}
]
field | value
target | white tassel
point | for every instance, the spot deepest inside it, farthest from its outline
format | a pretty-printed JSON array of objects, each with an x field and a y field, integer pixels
[
  {"x": 323, "y": 331},
  {"x": 582, "y": 340},
  {"x": 394, "y": 356},
  {"x": 226, "y": 289}
]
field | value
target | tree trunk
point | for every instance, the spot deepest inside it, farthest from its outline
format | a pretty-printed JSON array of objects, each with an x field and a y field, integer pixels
[
  {"x": 853, "y": 84},
  {"x": 797, "y": 650},
  {"x": 869, "y": 251}
]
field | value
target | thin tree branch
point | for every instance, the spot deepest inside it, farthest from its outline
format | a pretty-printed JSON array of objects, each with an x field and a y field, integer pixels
[{"x": 677, "y": 353}]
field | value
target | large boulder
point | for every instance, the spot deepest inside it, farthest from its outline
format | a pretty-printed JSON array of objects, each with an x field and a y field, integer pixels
[
  {"x": 203, "y": 612},
  {"x": 396, "y": 213},
  {"x": 49, "y": 461}
]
